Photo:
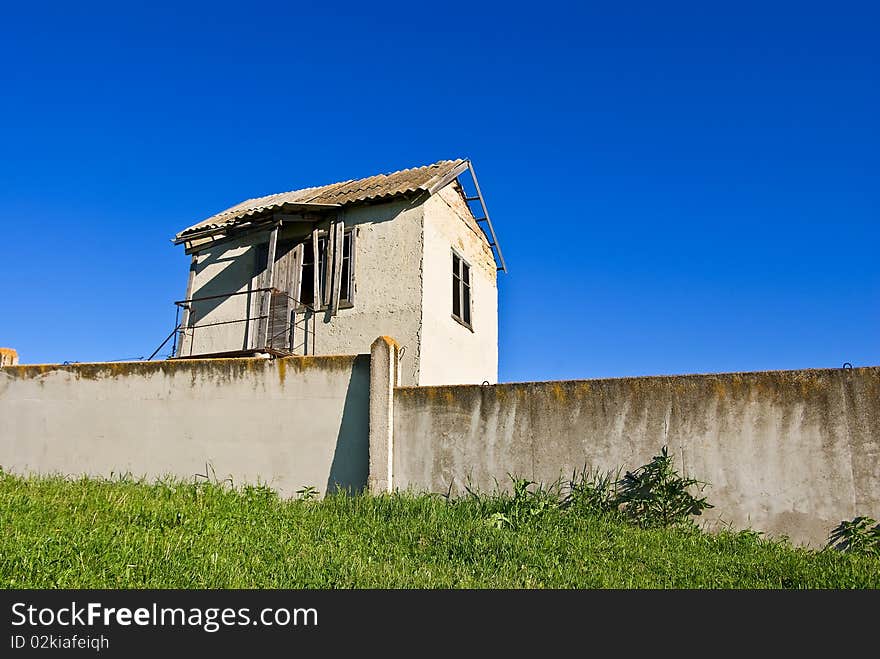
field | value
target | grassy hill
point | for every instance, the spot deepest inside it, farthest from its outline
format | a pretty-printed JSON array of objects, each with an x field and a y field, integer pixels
[{"x": 128, "y": 534}]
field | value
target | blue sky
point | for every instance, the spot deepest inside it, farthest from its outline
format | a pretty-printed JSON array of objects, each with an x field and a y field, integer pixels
[{"x": 677, "y": 187}]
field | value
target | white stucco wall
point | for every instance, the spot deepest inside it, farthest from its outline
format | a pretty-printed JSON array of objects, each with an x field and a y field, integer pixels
[
  {"x": 225, "y": 268},
  {"x": 403, "y": 288},
  {"x": 387, "y": 299},
  {"x": 451, "y": 353}
]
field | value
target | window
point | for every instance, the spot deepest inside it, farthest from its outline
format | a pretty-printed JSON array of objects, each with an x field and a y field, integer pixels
[
  {"x": 307, "y": 293},
  {"x": 307, "y": 277},
  {"x": 461, "y": 290},
  {"x": 346, "y": 288}
]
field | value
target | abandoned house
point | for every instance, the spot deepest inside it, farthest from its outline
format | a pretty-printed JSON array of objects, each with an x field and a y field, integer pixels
[{"x": 324, "y": 270}]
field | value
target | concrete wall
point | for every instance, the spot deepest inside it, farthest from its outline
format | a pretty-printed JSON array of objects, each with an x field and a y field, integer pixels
[
  {"x": 452, "y": 353},
  {"x": 286, "y": 423},
  {"x": 786, "y": 452},
  {"x": 388, "y": 289}
]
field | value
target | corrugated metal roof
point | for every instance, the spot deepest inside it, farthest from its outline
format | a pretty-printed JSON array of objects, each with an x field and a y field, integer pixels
[{"x": 381, "y": 186}]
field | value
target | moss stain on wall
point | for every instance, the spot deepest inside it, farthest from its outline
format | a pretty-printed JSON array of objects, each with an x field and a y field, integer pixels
[
  {"x": 282, "y": 371},
  {"x": 199, "y": 370}
]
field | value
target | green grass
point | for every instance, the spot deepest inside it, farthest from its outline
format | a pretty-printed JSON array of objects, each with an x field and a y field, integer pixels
[{"x": 57, "y": 533}]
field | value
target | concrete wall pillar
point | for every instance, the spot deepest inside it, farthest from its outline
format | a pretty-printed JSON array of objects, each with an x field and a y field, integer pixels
[
  {"x": 8, "y": 357},
  {"x": 383, "y": 378}
]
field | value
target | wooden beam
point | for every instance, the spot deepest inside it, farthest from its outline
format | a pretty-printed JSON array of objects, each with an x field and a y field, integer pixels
[
  {"x": 352, "y": 265},
  {"x": 201, "y": 244},
  {"x": 316, "y": 272},
  {"x": 286, "y": 217},
  {"x": 184, "y": 322},
  {"x": 233, "y": 223},
  {"x": 327, "y": 291},
  {"x": 266, "y": 300},
  {"x": 195, "y": 235},
  {"x": 231, "y": 233},
  {"x": 296, "y": 289},
  {"x": 338, "y": 245},
  {"x": 450, "y": 177}
]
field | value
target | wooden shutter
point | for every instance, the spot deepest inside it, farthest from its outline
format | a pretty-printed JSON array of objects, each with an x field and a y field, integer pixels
[
  {"x": 280, "y": 317},
  {"x": 338, "y": 250}
]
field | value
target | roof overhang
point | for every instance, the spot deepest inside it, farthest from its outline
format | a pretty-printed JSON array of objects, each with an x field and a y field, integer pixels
[
  {"x": 234, "y": 221},
  {"x": 264, "y": 213},
  {"x": 453, "y": 174}
]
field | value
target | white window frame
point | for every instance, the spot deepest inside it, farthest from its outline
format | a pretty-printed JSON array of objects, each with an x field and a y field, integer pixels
[
  {"x": 320, "y": 294},
  {"x": 468, "y": 319}
]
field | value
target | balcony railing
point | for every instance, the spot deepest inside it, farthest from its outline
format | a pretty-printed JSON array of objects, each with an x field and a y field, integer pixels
[{"x": 282, "y": 326}]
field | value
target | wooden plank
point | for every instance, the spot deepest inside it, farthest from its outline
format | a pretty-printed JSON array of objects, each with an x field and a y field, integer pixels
[
  {"x": 327, "y": 290},
  {"x": 184, "y": 322},
  {"x": 234, "y": 233},
  {"x": 296, "y": 283},
  {"x": 266, "y": 299},
  {"x": 279, "y": 322},
  {"x": 453, "y": 174},
  {"x": 282, "y": 305},
  {"x": 316, "y": 272},
  {"x": 338, "y": 247},
  {"x": 255, "y": 298},
  {"x": 286, "y": 217},
  {"x": 295, "y": 291},
  {"x": 283, "y": 275},
  {"x": 352, "y": 266},
  {"x": 226, "y": 231}
]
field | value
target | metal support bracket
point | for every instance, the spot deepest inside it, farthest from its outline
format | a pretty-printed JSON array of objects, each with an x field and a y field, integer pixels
[{"x": 488, "y": 229}]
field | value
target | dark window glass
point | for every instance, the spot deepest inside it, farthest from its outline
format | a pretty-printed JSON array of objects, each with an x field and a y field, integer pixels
[
  {"x": 461, "y": 290},
  {"x": 322, "y": 261},
  {"x": 307, "y": 283}
]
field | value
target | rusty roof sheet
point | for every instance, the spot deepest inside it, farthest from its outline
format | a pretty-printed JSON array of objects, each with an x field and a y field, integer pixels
[{"x": 372, "y": 188}]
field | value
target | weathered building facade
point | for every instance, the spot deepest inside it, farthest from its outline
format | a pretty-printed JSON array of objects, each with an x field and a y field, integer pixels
[
  {"x": 8, "y": 357},
  {"x": 325, "y": 270}
]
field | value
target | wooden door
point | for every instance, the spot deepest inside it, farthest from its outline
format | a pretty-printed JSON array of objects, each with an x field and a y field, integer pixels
[{"x": 282, "y": 305}]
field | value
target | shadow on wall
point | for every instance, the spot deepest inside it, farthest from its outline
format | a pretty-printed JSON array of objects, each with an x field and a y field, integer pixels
[
  {"x": 227, "y": 280},
  {"x": 238, "y": 275},
  {"x": 351, "y": 459}
]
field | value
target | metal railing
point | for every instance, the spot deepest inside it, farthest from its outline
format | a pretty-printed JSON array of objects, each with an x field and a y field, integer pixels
[
  {"x": 300, "y": 336},
  {"x": 294, "y": 328}
]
